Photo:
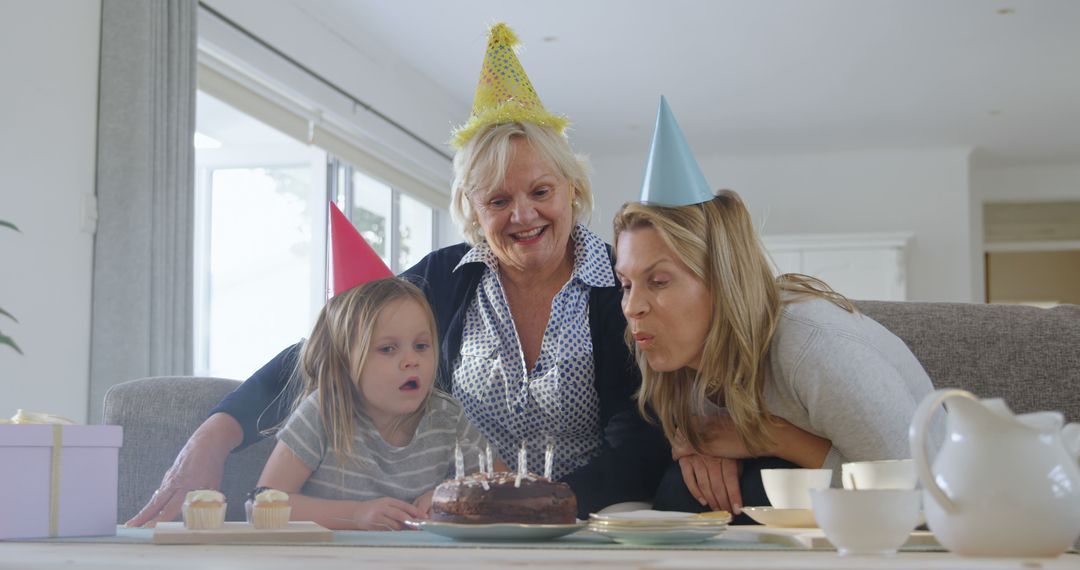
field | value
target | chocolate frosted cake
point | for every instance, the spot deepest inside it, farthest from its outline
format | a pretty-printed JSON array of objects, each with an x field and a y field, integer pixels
[{"x": 498, "y": 498}]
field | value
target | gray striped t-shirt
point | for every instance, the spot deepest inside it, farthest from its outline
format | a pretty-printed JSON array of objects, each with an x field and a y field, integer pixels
[{"x": 375, "y": 468}]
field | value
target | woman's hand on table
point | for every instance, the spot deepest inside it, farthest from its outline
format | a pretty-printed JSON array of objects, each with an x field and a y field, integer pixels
[
  {"x": 713, "y": 481},
  {"x": 199, "y": 465},
  {"x": 385, "y": 514}
]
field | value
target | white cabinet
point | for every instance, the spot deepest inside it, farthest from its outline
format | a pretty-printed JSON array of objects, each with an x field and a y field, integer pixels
[{"x": 859, "y": 266}]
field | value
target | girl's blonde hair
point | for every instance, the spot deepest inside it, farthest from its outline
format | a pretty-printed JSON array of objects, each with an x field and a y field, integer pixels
[
  {"x": 481, "y": 165},
  {"x": 717, "y": 241},
  {"x": 347, "y": 322}
]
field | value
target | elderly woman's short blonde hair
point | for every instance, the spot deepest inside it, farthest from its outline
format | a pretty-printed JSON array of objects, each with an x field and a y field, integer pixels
[{"x": 481, "y": 164}]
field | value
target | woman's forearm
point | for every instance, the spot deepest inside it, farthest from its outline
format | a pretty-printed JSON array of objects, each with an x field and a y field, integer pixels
[
  {"x": 799, "y": 446},
  {"x": 220, "y": 433},
  {"x": 333, "y": 514}
]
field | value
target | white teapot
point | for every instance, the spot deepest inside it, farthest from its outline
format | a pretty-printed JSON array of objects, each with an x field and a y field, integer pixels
[{"x": 1003, "y": 484}]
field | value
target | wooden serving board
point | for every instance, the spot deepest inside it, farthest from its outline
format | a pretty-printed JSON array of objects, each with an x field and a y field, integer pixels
[
  {"x": 808, "y": 537},
  {"x": 241, "y": 532}
]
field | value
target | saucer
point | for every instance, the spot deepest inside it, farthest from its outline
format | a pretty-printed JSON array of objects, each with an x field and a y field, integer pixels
[
  {"x": 496, "y": 531},
  {"x": 783, "y": 518},
  {"x": 653, "y": 536},
  {"x": 660, "y": 519}
]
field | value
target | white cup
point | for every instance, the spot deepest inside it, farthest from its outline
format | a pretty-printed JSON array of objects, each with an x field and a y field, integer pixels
[
  {"x": 887, "y": 474},
  {"x": 874, "y": 521},
  {"x": 790, "y": 488}
]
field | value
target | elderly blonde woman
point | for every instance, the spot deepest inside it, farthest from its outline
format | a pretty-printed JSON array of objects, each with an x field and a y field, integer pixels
[{"x": 527, "y": 310}]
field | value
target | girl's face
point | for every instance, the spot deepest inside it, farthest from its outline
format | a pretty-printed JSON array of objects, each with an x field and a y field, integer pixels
[
  {"x": 667, "y": 307},
  {"x": 527, "y": 220},
  {"x": 400, "y": 367}
]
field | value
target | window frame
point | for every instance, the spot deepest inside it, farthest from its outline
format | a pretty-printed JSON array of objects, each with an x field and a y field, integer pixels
[{"x": 339, "y": 175}]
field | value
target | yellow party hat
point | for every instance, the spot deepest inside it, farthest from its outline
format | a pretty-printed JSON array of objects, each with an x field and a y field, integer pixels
[{"x": 504, "y": 93}]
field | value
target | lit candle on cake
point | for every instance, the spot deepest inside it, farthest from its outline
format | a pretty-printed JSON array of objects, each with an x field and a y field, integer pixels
[
  {"x": 523, "y": 465},
  {"x": 459, "y": 461},
  {"x": 549, "y": 457}
]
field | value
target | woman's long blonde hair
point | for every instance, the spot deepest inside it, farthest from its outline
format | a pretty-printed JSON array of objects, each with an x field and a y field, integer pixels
[
  {"x": 717, "y": 241},
  {"x": 347, "y": 322}
]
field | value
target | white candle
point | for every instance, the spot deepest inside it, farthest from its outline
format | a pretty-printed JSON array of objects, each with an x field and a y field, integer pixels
[
  {"x": 549, "y": 457},
  {"x": 490, "y": 463},
  {"x": 480, "y": 462},
  {"x": 523, "y": 466},
  {"x": 459, "y": 461}
]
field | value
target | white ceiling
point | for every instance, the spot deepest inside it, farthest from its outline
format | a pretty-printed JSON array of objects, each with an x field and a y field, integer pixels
[{"x": 767, "y": 76}]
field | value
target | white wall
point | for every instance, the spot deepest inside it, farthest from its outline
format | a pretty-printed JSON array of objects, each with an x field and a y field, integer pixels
[
  {"x": 922, "y": 191},
  {"x": 1027, "y": 184},
  {"x": 49, "y": 59}
]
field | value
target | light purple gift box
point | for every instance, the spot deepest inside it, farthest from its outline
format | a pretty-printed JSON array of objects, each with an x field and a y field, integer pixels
[{"x": 68, "y": 490}]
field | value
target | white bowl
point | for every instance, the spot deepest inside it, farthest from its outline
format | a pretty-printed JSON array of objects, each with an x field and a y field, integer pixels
[
  {"x": 871, "y": 521},
  {"x": 789, "y": 488},
  {"x": 886, "y": 474}
]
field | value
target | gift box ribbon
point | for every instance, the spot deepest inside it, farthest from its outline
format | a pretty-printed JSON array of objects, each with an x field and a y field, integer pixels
[
  {"x": 58, "y": 423},
  {"x": 54, "y": 480}
]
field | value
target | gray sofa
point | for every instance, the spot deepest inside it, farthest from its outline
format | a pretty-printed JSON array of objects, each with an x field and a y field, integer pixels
[{"x": 1029, "y": 356}]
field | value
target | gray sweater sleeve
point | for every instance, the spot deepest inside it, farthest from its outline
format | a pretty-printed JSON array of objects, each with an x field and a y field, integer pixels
[{"x": 856, "y": 400}]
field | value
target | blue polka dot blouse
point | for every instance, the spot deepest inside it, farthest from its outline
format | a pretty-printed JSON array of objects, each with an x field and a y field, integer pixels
[{"x": 556, "y": 400}]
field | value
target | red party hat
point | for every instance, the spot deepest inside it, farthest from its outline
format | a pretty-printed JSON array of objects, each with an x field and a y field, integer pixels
[{"x": 352, "y": 260}]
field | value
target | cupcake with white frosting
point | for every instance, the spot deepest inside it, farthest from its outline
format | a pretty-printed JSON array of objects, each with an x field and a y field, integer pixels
[
  {"x": 204, "y": 510},
  {"x": 270, "y": 509}
]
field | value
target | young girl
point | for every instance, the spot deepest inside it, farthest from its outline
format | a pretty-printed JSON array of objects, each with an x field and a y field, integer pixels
[{"x": 370, "y": 439}]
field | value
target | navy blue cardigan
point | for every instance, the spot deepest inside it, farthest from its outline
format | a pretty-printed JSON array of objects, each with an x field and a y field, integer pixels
[{"x": 635, "y": 453}]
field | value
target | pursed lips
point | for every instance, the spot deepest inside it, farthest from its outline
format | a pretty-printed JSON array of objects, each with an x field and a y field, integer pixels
[{"x": 643, "y": 340}]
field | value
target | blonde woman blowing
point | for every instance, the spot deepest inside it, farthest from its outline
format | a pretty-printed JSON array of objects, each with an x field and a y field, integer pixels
[{"x": 738, "y": 364}]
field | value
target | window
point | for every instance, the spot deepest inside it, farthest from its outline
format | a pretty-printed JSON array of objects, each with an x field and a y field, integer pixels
[
  {"x": 416, "y": 228},
  {"x": 258, "y": 245},
  {"x": 261, "y": 239},
  {"x": 371, "y": 211},
  {"x": 398, "y": 227}
]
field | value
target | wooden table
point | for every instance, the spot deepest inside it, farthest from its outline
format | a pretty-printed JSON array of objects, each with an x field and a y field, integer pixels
[{"x": 41, "y": 556}]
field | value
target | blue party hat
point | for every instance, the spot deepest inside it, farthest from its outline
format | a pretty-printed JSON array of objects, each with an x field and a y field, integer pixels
[{"x": 672, "y": 175}]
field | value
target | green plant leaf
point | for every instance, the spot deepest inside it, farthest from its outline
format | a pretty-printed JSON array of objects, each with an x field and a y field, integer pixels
[
  {"x": 3, "y": 338},
  {"x": 7, "y": 340}
]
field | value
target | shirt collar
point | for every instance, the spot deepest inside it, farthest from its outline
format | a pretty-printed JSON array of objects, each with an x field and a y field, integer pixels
[{"x": 592, "y": 264}]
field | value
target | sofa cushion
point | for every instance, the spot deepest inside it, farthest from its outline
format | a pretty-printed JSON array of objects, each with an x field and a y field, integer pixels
[
  {"x": 158, "y": 414},
  {"x": 1026, "y": 355}
]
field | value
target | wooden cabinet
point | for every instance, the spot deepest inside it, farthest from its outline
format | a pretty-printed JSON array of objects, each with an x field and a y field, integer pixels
[{"x": 860, "y": 266}]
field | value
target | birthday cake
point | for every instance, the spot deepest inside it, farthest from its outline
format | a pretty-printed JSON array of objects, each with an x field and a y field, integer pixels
[{"x": 485, "y": 498}]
